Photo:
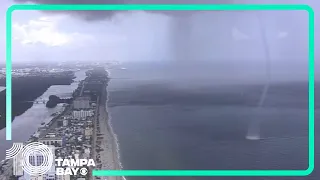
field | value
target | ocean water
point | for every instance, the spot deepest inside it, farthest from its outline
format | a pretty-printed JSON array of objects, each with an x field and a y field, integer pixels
[{"x": 165, "y": 122}]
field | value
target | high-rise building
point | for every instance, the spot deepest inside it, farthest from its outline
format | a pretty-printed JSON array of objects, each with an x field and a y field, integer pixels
[
  {"x": 51, "y": 174},
  {"x": 17, "y": 165},
  {"x": 81, "y": 103},
  {"x": 36, "y": 159}
]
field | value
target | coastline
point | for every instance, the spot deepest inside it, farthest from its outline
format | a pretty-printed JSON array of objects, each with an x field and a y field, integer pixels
[
  {"x": 110, "y": 158},
  {"x": 116, "y": 144}
]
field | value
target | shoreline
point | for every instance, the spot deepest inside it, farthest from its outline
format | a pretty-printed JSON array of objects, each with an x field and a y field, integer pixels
[
  {"x": 116, "y": 143},
  {"x": 110, "y": 157}
]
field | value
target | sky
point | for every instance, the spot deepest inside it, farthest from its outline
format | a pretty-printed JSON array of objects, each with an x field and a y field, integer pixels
[
  {"x": 60, "y": 35},
  {"x": 159, "y": 36}
]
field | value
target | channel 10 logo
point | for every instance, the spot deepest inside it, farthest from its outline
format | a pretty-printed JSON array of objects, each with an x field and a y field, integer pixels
[{"x": 35, "y": 158}]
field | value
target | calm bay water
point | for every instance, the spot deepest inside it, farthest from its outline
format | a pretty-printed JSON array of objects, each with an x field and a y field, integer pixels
[{"x": 26, "y": 124}]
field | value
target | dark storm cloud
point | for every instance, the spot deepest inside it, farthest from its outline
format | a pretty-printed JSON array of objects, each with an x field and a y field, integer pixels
[
  {"x": 87, "y": 15},
  {"x": 99, "y": 15}
]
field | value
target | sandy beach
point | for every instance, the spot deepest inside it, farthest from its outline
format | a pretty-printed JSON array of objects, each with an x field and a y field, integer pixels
[{"x": 105, "y": 140}]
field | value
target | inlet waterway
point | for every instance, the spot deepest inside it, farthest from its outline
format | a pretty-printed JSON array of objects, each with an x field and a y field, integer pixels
[{"x": 26, "y": 124}]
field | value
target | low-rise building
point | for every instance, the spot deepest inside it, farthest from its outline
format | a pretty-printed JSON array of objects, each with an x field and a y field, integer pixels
[
  {"x": 63, "y": 177},
  {"x": 82, "y": 114},
  {"x": 51, "y": 141},
  {"x": 88, "y": 132},
  {"x": 29, "y": 177},
  {"x": 59, "y": 122},
  {"x": 65, "y": 122}
]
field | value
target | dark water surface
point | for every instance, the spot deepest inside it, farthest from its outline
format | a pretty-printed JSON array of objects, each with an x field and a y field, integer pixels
[{"x": 182, "y": 123}]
